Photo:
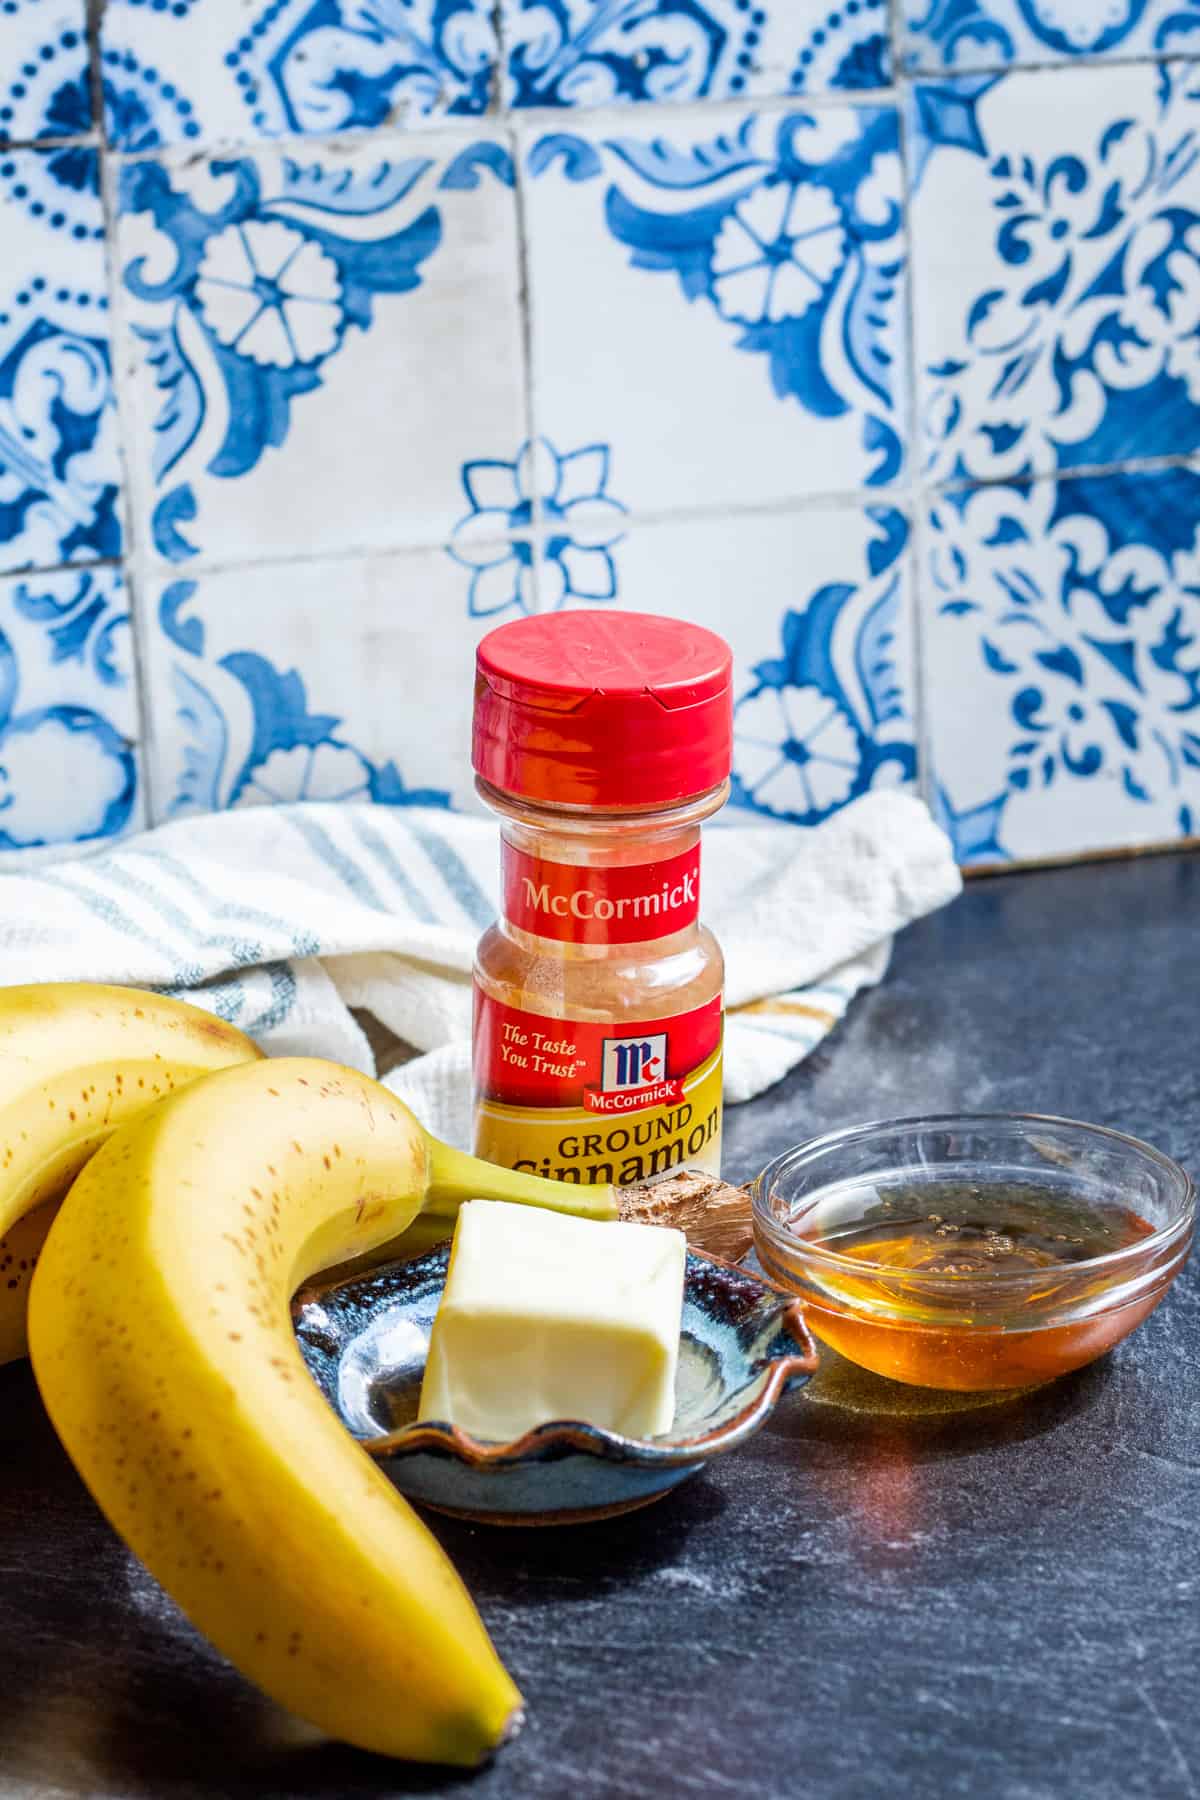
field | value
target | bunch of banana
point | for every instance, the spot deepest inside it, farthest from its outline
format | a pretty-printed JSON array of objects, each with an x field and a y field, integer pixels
[
  {"x": 76, "y": 1061},
  {"x": 161, "y": 1339}
]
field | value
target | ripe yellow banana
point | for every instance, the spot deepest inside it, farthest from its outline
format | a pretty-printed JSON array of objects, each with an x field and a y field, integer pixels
[
  {"x": 77, "y": 1060},
  {"x": 162, "y": 1343}
]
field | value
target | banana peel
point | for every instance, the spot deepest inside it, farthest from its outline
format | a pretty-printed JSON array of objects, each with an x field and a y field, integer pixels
[
  {"x": 78, "y": 1059},
  {"x": 162, "y": 1343}
]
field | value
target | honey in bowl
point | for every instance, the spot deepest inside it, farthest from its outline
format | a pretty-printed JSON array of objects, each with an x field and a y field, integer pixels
[
  {"x": 974, "y": 1253},
  {"x": 971, "y": 1237}
]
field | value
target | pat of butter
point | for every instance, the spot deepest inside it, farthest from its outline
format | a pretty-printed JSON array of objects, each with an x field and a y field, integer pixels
[{"x": 549, "y": 1317}]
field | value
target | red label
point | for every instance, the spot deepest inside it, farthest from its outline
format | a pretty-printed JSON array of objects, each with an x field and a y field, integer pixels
[
  {"x": 526, "y": 1059},
  {"x": 579, "y": 903}
]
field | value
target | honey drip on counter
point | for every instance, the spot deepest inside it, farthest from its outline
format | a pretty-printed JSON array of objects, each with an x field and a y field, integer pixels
[{"x": 957, "y": 1323}]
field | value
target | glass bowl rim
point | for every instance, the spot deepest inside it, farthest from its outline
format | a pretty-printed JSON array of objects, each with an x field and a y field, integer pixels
[{"x": 813, "y": 1251}]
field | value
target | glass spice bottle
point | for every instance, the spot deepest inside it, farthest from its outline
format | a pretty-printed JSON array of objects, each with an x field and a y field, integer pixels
[{"x": 602, "y": 740}]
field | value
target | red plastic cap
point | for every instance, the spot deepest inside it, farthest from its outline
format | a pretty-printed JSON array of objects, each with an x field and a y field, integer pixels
[{"x": 604, "y": 709}]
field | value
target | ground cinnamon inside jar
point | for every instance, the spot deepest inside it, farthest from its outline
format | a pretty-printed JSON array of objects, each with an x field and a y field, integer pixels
[{"x": 602, "y": 740}]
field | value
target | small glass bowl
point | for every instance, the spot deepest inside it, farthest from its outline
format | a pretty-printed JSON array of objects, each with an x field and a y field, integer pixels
[{"x": 989, "y": 1328}]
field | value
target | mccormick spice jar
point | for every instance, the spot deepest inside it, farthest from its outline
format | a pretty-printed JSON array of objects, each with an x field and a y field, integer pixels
[{"x": 602, "y": 740}]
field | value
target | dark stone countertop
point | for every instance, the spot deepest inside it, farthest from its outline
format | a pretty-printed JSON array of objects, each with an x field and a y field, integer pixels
[{"x": 870, "y": 1600}]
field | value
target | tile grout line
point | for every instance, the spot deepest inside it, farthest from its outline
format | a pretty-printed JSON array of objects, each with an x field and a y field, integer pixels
[
  {"x": 927, "y": 783},
  {"x": 922, "y": 725},
  {"x": 495, "y": 105},
  {"x": 895, "y": 37},
  {"x": 468, "y": 126},
  {"x": 1134, "y": 465},
  {"x": 92, "y": 18},
  {"x": 510, "y": 122},
  {"x": 525, "y": 301},
  {"x": 41, "y": 571},
  {"x": 500, "y": 117},
  {"x": 912, "y": 495},
  {"x": 86, "y": 140},
  {"x": 1053, "y": 66},
  {"x": 131, "y": 553},
  {"x": 93, "y": 10}
]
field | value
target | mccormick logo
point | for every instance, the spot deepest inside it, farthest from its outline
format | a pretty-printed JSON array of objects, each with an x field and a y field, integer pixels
[
  {"x": 632, "y": 1062},
  {"x": 600, "y": 903},
  {"x": 589, "y": 903},
  {"x": 633, "y": 1075}
]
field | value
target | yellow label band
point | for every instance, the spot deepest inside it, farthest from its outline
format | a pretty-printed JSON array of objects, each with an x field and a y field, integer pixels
[{"x": 575, "y": 1144}]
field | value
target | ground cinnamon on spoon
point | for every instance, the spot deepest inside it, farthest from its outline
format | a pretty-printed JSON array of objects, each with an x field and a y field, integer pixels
[{"x": 714, "y": 1216}]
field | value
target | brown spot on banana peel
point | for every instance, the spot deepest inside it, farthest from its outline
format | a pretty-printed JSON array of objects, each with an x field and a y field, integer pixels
[{"x": 20, "y": 1249}]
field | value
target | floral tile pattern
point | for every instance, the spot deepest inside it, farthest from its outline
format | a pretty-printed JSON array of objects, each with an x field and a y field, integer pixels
[
  {"x": 1057, "y": 269},
  {"x": 978, "y": 34},
  {"x": 44, "y": 87},
  {"x": 68, "y": 707},
  {"x": 254, "y": 700},
  {"x": 59, "y": 461},
  {"x": 1062, "y": 632},
  {"x": 224, "y": 71},
  {"x": 325, "y": 341},
  {"x": 815, "y": 605},
  {"x": 726, "y": 312},
  {"x": 569, "y": 558},
  {"x": 631, "y": 327},
  {"x": 605, "y": 52}
]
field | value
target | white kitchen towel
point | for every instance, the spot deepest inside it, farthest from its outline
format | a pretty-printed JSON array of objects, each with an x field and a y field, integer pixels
[{"x": 282, "y": 919}]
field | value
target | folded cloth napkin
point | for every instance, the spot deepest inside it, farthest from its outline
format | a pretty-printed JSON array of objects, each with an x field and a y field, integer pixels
[{"x": 282, "y": 919}]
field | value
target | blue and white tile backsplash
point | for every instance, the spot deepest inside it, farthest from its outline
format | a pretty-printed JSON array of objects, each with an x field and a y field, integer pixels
[
  {"x": 333, "y": 332},
  {"x": 941, "y": 35}
]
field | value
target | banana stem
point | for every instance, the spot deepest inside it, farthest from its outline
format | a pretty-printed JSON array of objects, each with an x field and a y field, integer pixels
[{"x": 454, "y": 1177}]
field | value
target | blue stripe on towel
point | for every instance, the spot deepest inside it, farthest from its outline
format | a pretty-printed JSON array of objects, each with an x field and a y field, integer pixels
[
  {"x": 226, "y": 994},
  {"x": 303, "y": 943},
  {"x": 371, "y": 841},
  {"x": 456, "y": 875},
  {"x": 243, "y": 952},
  {"x": 101, "y": 907},
  {"x": 283, "y": 998},
  {"x": 335, "y": 858}
]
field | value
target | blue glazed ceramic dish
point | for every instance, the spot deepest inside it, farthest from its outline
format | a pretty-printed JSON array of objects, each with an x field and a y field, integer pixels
[{"x": 365, "y": 1340}]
